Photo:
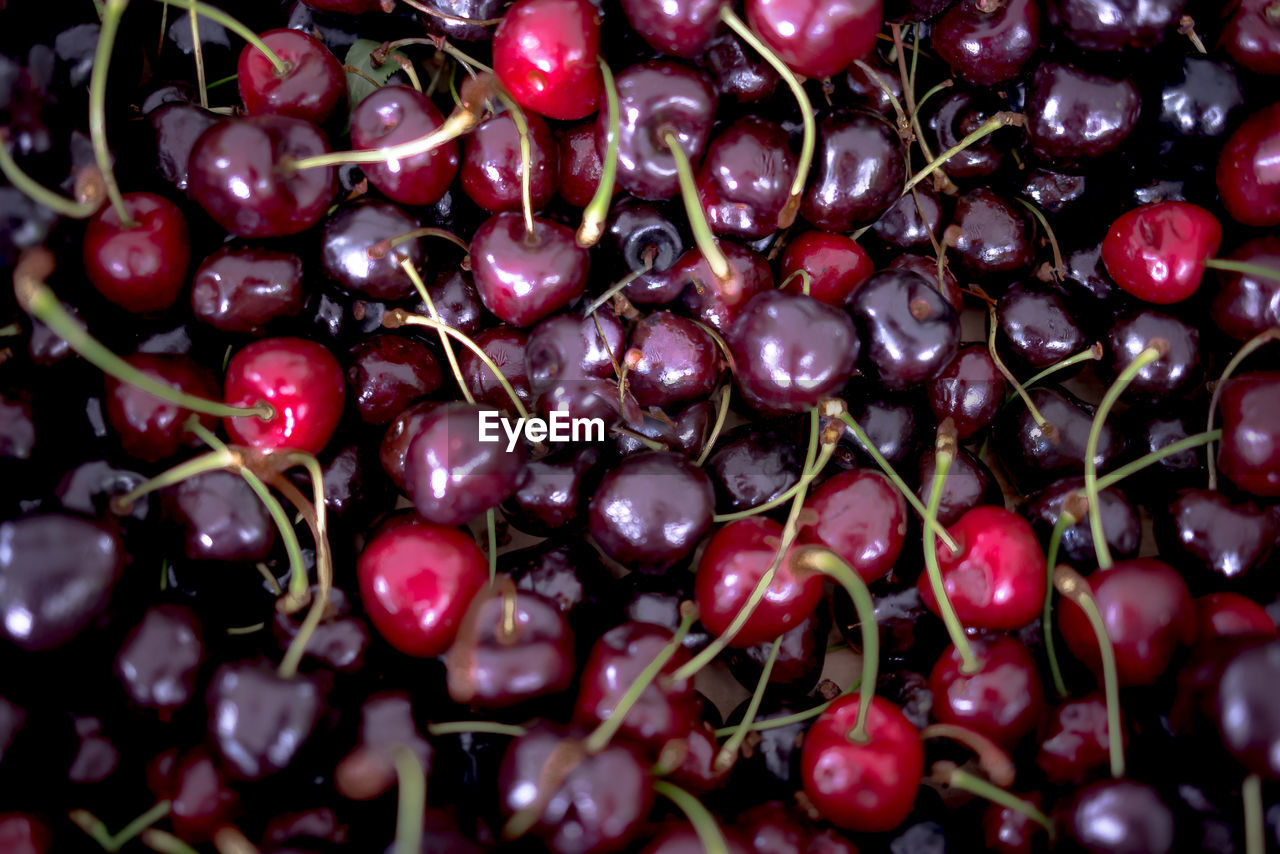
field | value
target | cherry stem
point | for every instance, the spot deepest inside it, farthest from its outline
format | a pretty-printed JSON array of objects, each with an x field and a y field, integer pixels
[
  {"x": 443, "y": 330},
  {"x": 1073, "y": 585},
  {"x": 406, "y": 65},
  {"x": 1255, "y": 270},
  {"x": 1154, "y": 350},
  {"x": 805, "y": 281},
  {"x": 729, "y": 752},
  {"x": 466, "y": 727},
  {"x": 164, "y": 842},
  {"x": 893, "y": 476},
  {"x": 596, "y": 212},
  {"x": 615, "y": 289},
  {"x": 215, "y": 14},
  {"x": 411, "y": 800},
  {"x": 491, "y": 524},
  {"x": 795, "y": 718},
  {"x": 440, "y": 44},
  {"x": 315, "y": 514},
  {"x": 1187, "y": 27},
  {"x": 230, "y": 840},
  {"x": 1245, "y": 351},
  {"x": 827, "y": 562},
  {"x": 808, "y": 141},
  {"x": 960, "y": 779},
  {"x": 601, "y": 736},
  {"x": 759, "y": 508},
  {"x": 1195, "y": 441},
  {"x": 944, "y": 453},
  {"x": 1066, "y": 518},
  {"x": 453, "y": 19},
  {"x": 1000, "y": 120},
  {"x": 993, "y": 325},
  {"x": 904, "y": 124},
  {"x": 219, "y": 460},
  {"x": 722, "y": 415},
  {"x": 197, "y": 50},
  {"x": 1255, "y": 839},
  {"x": 526, "y": 160},
  {"x": 111, "y": 15},
  {"x": 704, "y": 824},
  {"x": 1091, "y": 353},
  {"x": 382, "y": 247},
  {"x": 97, "y": 831},
  {"x": 995, "y": 762},
  {"x": 929, "y": 93},
  {"x": 1058, "y": 265},
  {"x": 89, "y": 190},
  {"x": 702, "y": 234}
]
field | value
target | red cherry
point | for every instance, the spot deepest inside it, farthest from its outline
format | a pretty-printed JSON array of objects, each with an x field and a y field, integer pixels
[
  {"x": 862, "y": 518},
  {"x": 997, "y": 580},
  {"x": 1249, "y": 169},
  {"x": 142, "y": 268},
  {"x": 1229, "y": 615},
  {"x": 868, "y": 787},
  {"x": 1249, "y": 455},
  {"x": 524, "y": 277},
  {"x": 734, "y": 561},
  {"x": 301, "y": 380},
  {"x": 544, "y": 53},
  {"x": 1157, "y": 252},
  {"x": 580, "y": 164},
  {"x": 817, "y": 38},
  {"x": 836, "y": 266},
  {"x": 23, "y": 834},
  {"x": 152, "y": 429},
  {"x": 1002, "y": 700},
  {"x": 417, "y": 581},
  {"x": 1148, "y": 614},
  {"x": 309, "y": 90},
  {"x": 395, "y": 114},
  {"x": 1074, "y": 740},
  {"x": 492, "y": 169}
]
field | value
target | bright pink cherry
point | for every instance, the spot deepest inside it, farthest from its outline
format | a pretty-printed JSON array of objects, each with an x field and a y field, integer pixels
[
  {"x": 860, "y": 516},
  {"x": 1226, "y": 615},
  {"x": 1003, "y": 699},
  {"x": 817, "y": 38},
  {"x": 301, "y": 380},
  {"x": 1157, "y": 252},
  {"x": 836, "y": 265},
  {"x": 141, "y": 268},
  {"x": 1249, "y": 169},
  {"x": 309, "y": 90},
  {"x": 544, "y": 53}
]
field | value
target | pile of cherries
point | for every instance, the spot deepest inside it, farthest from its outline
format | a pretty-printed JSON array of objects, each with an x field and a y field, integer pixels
[{"x": 935, "y": 344}]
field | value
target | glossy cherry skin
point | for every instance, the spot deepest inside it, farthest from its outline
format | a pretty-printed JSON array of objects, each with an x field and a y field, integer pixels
[
  {"x": 791, "y": 351},
  {"x": 1121, "y": 524},
  {"x": 152, "y": 429},
  {"x": 580, "y": 165},
  {"x": 958, "y": 114},
  {"x": 1037, "y": 456},
  {"x": 647, "y": 243},
  {"x": 1157, "y": 252},
  {"x": 417, "y": 580},
  {"x": 813, "y": 38},
  {"x": 969, "y": 484},
  {"x": 544, "y": 53},
  {"x": 340, "y": 639},
  {"x": 492, "y": 168},
  {"x": 309, "y": 90},
  {"x": 1251, "y": 36},
  {"x": 734, "y": 561},
  {"x": 1199, "y": 105},
  {"x": 836, "y": 265},
  {"x": 242, "y": 291},
  {"x": 750, "y": 467},
  {"x": 391, "y": 115},
  {"x": 219, "y": 518},
  {"x": 201, "y": 794},
  {"x": 680, "y": 29},
  {"x": 1172, "y": 375},
  {"x": 1214, "y": 539},
  {"x": 1037, "y": 326},
  {"x": 670, "y": 360},
  {"x": 177, "y": 126},
  {"x": 928, "y": 269},
  {"x": 797, "y": 667},
  {"x": 142, "y": 268},
  {"x": 1148, "y": 614},
  {"x": 466, "y": 23},
  {"x": 867, "y": 787},
  {"x": 858, "y": 171},
  {"x": 710, "y": 302},
  {"x": 1249, "y": 455},
  {"x": 1247, "y": 171},
  {"x": 1112, "y": 25},
  {"x": 745, "y": 178},
  {"x": 1245, "y": 708},
  {"x": 969, "y": 390},
  {"x": 1003, "y": 699},
  {"x": 1074, "y": 116},
  {"x": 987, "y": 43},
  {"x": 573, "y": 347},
  {"x": 909, "y": 330},
  {"x": 521, "y": 277},
  {"x": 21, "y": 833},
  {"x": 237, "y": 175},
  {"x": 738, "y": 72},
  {"x": 302, "y": 382},
  {"x": 260, "y": 720},
  {"x": 388, "y": 373},
  {"x": 997, "y": 579},
  {"x": 506, "y": 347},
  {"x": 1228, "y": 615},
  {"x": 861, "y": 517},
  {"x": 1117, "y": 815},
  {"x": 1245, "y": 305},
  {"x": 356, "y": 254},
  {"x": 158, "y": 661},
  {"x": 1074, "y": 739},
  {"x": 991, "y": 235}
]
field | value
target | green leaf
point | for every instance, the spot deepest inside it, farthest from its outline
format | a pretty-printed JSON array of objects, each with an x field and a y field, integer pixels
[{"x": 360, "y": 58}]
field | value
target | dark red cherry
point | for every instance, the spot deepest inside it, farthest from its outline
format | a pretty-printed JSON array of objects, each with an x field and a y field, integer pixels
[
  {"x": 149, "y": 428},
  {"x": 859, "y": 515},
  {"x": 391, "y": 115},
  {"x": 260, "y": 720},
  {"x": 798, "y": 665},
  {"x": 386, "y": 723},
  {"x": 309, "y": 90},
  {"x": 219, "y": 518},
  {"x": 1073, "y": 742},
  {"x": 452, "y": 472},
  {"x": 1112, "y": 25},
  {"x": 970, "y": 391},
  {"x": 553, "y": 496},
  {"x": 524, "y": 277},
  {"x": 817, "y": 39},
  {"x": 340, "y": 639},
  {"x": 241, "y": 291},
  {"x": 467, "y": 21},
  {"x": 1157, "y": 252},
  {"x": 969, "y": 484},
  {"x": 142, "y": 267},
  {"x": 1252, "y": 37},
  {"x": 492, "y": 167},
  {"x": 670, "y": 360},
  {"x": 872, "y": 90},
  {"x": 1148, "y": 614},
  {"x": 158, "y": 661},
  {"x": 1245, "y": 304},
  {"x": 1053, "y": 192},
  {"x": 791, "y": 351},
  {"x": 1003, "y": 699},
  {"x": 1245, "y": 708},
  {"x": 574, "y": 347},
  {"x": 201, "y": 796},
  {"x": 987, "y": 42},
  {"x": 869, "y": 786},
  {"x": 677, "y": 28},
  {"x": 1121, "y": 524},
  {"x": 909, "y": 330},
  {"x": 958, "y": 114},
  {"x": 417, "y": 580},
  {"x": 1207, "y": 534},
  {"x": 858, "y": 171},
  {"x": 1249, "y": 455},
  {"x": 1074, "y": 116},
  {"x": 1038, "y": 455},
  {"x": 505, "y": 345},
  {"x": 928, "y": 269},
  {"x": 1247, "y": 170},
  {"x": 893, "y": 423},
  {"x": 544, "y": 53},
  {"x": 651, "y": 510},
  {"x": 388, "y": 373},
  {"x": 705, "y": 299},
  {"x": 997, "y": 580},
  {"x": 732, "y": 564},
  {"x": 991, "y": 235},
  {"x": 346, "y": 7},
  {"x": 21, "y": 833},
  {"x": 745, "y": 178},
  {"x": 177, "y": 126},
  {"x": 1169, "y": 377},
  {"x": 457, "y": 301},
  {"x": 239, "y": 175},
  {"x": 836, "y": 265},
  {"x": 302, "y": 382},
  {"x": 356, "y": 253},
  {"x": 750, "y": 467},
  {"x": 1229, "y": 615},
  {"x": 1037, "y": 327},
  {"x": 1117, "y": 815},
  {"x": 394, "y": 448},
  {"x": 738, "y": 72},
  {"x": 580, "y": 165}
]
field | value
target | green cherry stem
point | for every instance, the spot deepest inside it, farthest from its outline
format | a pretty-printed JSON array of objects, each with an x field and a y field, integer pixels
[
  {"x": 213, "y": 13},
  {"x": 1244, "y": 269},
  {"x": 164, "y": 842},
  {"x": 89, "y": 189},
  {"x": 1090, "y": 354},
  {"x": 219, "y": 460},
  {"x": 111, "y": 15},
  {"x": 1058, "y": 265},
  {"x": 382, "y": 247},
  {"x": 959, "y": 779},
  {"x": 442, "y": 330},
  {"x": 197, "y": 49},
  {"x": 944, "y": 453},
  {"x": 704, "y": 824},
  {"x": 411, "y": 800},
  {"x": 464, "y": 727},
  {"x": 759, "y": 508},
  {"x": 992, "y": 758},
  {"x": 596, "y": 212},
  {"x": 993, "y": 325},
  {"x": 491, "y": 524},
  {"x": 1072, "y": 511},
  {"x": 1151, "y": 353},
  {"x": 729, "y": 752},
  {"x": 526, "y": 159},
  {"x": 1000, "y": 120},
  {"x": 1073, "y": 585},
  {"x": 1111, "y": 478},
  {"x": 904, "y": 124},
  {"x": 1255, "y": 831},
  {"x": 1245, "y": 351},
  {"x": 702, "y": 234},
  {"x": 794, "y": 718},
  {"x": 722, "y": 415},
  {"x": 94, "y": 827}
]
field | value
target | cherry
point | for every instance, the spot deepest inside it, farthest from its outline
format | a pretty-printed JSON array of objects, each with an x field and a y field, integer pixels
[
  {"x": 749, "y": 272},
  {"x": 300, "y": 380},
  {"x": 1216, "y": 540},
  {"x": 834, "y": 264},
  {"x": 260, "y": 720},
  {"x": 648, "y": 245},
  {"x": 309, "y": 90},
  {"x": 417, "y": 580},
  {"x": 1121, "y": 524},
  {"x": 458, "y": 27},
  {"x": 388, "y": 373},
  {"x": 970, "y": 391},
  {"x": 506, "y": 347},
  {"x": 340, "y": 640},
  {"x": 1073, "y": 741},
  {"x": 1109, "y": 26},
  {"x": 21, "y": 833},
  {"x": 751, "y": 467},
  {"x": 969, "y": 484},
  {"x": 987, "y": 43},
  {"x": 140, "y": 267},
  {"x": 1247, "y": 171},
  {"x": 201, "y": 797},
  {"x": 1170, "y": 376},
  {"x": 670, "y": 360},
  {"x": 745, "y": 178},
  {"x": 817, "y": 39},
  {"x": 357, "y": 252},
  {"x": 1229, "y": 615},
  {"x": 544, "y": 53},
  {"x": 394, "y": 448},
  {"x": 927, "y": 268},
  {"x": 386, "y": 723},
  {"x": 1251, "y": 37},
  {"x": 738, "y": 72},
  {"x": 681, "y": 28},
  {"x": 791, "y": 350},
  {"x": 1074, "y": 116},
  {"x": 524, "y": 276},
  {"x": 1199, "y": 105},
  {"x": 997, "y": 580},
  {"x": 1249, "y": 455},
  {"x": 892, "y": 423},
  {"x": 149, "y": 428},
  {"x": 242, "y": 291},
  {"x": 157, "y": 662},
  {"x": 801, "y": 655},
  {"x": 1036, "y": 324},
  {"x": 492, "y": 167},
  {"x": 391, "y": 115},
  {"x": 865, "y": 786},
  {"x": 237, "y": 175},
  {"x": 860, "y": 516},
  {"x": 991, "y": 235},
  {"x": 859, "y": 171},
  {"x": 457, "y": 301},
  {"x": 1245, "y": 305},
  {"x": 220, "y": 518},
  {"x": 573, "y": 347},
  {"x": 1003, "y": 699},
  {"x": 1055, "y": 193},
  {"x": 1148, "y": 614},
  {"x": 580, "y": 164},
  {"x": 909, "y": 329},
  {"x": 1157, "y": 252},
  {"x": 959, "y": 114},
  {"x": 346, "y": 7},
  {"x": 177, "y": 126},
  {"x": 1038, "y": 455}
]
